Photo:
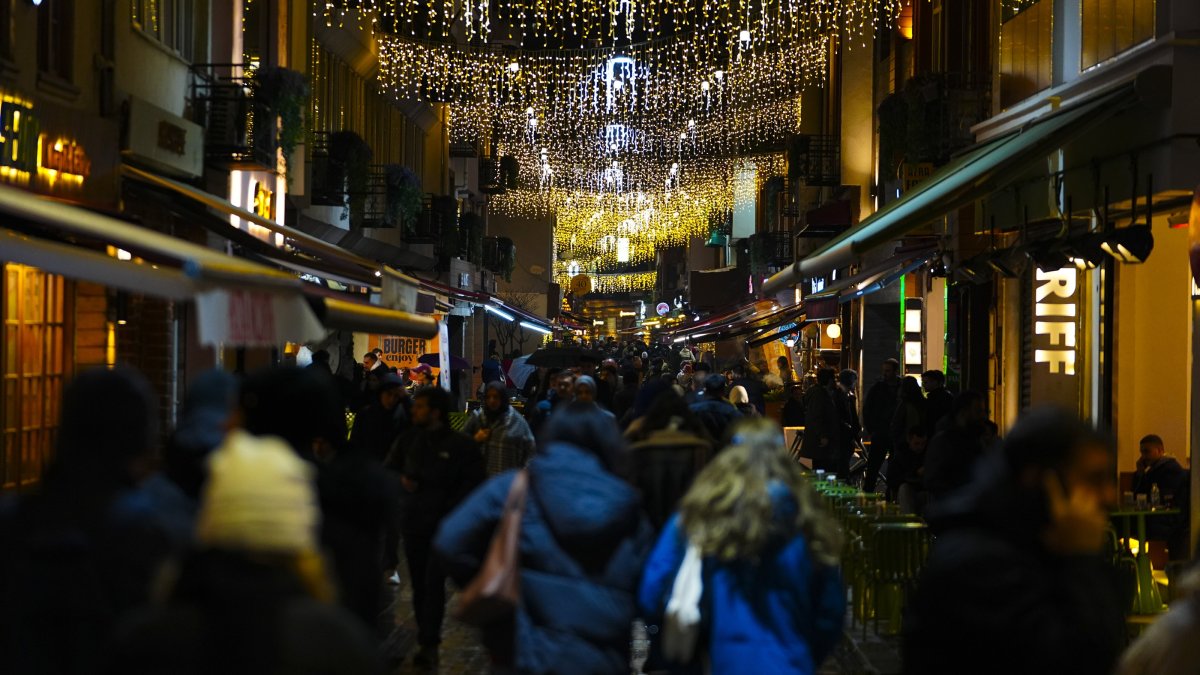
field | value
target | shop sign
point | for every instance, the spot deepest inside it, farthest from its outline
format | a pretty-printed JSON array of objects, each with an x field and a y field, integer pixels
[
  {"x": 164, "y": 140},
  {"x": 915, "y": 173},
  {"x": 259, "y": 192},
  {"x": 401, "y": 352},
  {"x": 1055, "y": 330},
  {"x": 26, "y": 151}
]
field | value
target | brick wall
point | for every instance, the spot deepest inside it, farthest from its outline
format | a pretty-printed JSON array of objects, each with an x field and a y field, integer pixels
[
  {"x": 91, "y": 325},
  {"x": 145, "y": 343}
]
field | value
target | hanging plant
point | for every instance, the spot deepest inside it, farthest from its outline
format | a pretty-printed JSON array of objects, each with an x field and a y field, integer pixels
[
  {"x": 284, "y": 93},
  {"x": 350, "y": 158},
  {"x": 403, "y": 197}
]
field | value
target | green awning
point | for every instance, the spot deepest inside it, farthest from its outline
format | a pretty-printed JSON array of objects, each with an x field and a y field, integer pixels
[{"x": 969, "y": 177}]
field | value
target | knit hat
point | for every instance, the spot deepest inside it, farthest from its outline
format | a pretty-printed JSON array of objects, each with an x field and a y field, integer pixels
[{"x": 259, "y": 497}]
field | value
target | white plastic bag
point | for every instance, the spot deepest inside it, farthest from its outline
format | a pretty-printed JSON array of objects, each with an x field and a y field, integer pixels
[{"x": 681, "y": 625}]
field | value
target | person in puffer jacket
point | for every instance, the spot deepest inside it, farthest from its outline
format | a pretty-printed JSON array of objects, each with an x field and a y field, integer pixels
[
  {"x": 584, "y": 540},
  {"x": 773, "y": 599}
]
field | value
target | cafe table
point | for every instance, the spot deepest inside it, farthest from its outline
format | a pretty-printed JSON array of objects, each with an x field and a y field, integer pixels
[{"x": 1146, "y": 598}]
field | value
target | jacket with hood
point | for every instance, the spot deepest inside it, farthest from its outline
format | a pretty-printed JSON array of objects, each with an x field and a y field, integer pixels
[
  {"x": 992, "y": 596},
  {"x": 716, "y": 414},
  {"x": 583, "y": 542},
  {"x": 780, "y": 614},
  {"x": 663, "y": 467}
]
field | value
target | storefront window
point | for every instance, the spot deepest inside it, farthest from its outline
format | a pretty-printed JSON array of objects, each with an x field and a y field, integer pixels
[
  {"x": 1026, "y": 59},
  {"x": 35, "y": 361},
  {"x": 55, "y": 41}
]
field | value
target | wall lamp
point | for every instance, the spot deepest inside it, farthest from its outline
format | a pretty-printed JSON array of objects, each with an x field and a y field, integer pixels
[{"x": 1131, "y": 244}]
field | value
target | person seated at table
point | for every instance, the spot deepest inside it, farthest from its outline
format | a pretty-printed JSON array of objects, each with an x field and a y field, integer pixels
[{"x": 1154, "y": 467}]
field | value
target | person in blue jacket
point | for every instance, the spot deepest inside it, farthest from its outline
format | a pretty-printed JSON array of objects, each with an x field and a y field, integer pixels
[
  {"x": 584, "y": 540},
  {"x": 773, "y": 599}
]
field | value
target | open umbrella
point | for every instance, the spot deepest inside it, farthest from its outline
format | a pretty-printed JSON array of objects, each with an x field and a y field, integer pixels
[
  {"x": 520, "y": 370},
  {"x": 562, "y": 357},
  {"x": 435, "y": 360}
]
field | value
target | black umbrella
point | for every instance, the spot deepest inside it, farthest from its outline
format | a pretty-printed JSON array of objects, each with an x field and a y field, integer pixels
[
  {"x": 562, "y": 357},
  {"x": 435, "y": 360}
]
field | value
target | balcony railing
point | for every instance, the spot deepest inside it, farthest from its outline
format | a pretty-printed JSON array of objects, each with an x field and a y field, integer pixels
[
  {"x": 770, "y": 250},
  {"x": 815, "y": 159},
  {"x": 499, "y": 256},
  {"x": 238, "y": 130},
  {"x": 930, "y": 119}
]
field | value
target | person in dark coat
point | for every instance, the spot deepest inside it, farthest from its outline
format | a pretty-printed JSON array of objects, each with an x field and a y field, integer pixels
[
  {"x": 84, "y": 548},
  {"x": 845, "y": 396},
  {"x": 713, "y": 411},
  {"x": 911, "y": 413},
  {"x": 753, "y": 384},
  {"x": 358, "y": 497},
  {"x": 956, "y": 447},
  {"x": 673, "y": 448},
  {"x": 625, "y": 396},
  {"x": 438, "y": 467},
  {"x": 878, "y": 409},
  {"x": 939, "y": 400},
  {"x": 378, "y": 424},
  {"x": 772, "y": 599},
  {"x": 583, "y": 542},
  {"x": 1154, "y": 467},
  {"x": 822, "y": 431},
  {"x": 253, "y": 598},
  {"x": 1015, "y": 581},
  {"x": 793, "y": 409}
]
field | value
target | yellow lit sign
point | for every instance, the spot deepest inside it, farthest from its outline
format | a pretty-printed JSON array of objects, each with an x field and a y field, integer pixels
[
  {"x": 25, "y": 151},
  {"x": 1055, "y": 315}
]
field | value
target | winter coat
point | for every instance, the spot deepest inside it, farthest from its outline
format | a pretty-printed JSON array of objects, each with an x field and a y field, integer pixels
[
  {"x": 878, "y": 409},
  {"x": 583, "y": 543},
  {"x": 950, "y": 458},
  {"x": 992, "y": 596},
  {"x": 376, "y": 428},
  {"x": 445, "y": 466},
  {"x": 939, "y": 404},
  {"x": 822, "y": 422},
  {"x": 510, "y": 444},
  {"x": 783, "y": 614},
  {"x": 71, "y": 564},
  {"x": 716, "y": 415},
  {"x": 663, "y": 467},
  {"x": 229, "y": 614}
]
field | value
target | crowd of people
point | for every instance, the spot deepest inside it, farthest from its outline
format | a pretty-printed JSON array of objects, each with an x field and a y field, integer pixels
[{"x": 264, "y": 533}]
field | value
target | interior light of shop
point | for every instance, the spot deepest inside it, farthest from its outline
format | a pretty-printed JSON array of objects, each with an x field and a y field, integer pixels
[
  {"x": 500, "y": 313},
  {"x": 912, "y": 321},
  {"x": 834, "y": 331},
  {"x": 597, "y": 322},
  {"x": 680, "y": 339},
  {"x": 122, "y": 254},
  {"x": 912, "y": 353},
  {"x": 535, "y": 327},
  {"x": 625, "y": 313},
  {"x": 1131, "y": 244}
]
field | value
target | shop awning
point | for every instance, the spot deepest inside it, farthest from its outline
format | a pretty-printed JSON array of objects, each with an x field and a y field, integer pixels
[
  {"x": 361, "y": 317},
  {"x": 971, "y": 176},
  {"x": 876, "y": 277}
]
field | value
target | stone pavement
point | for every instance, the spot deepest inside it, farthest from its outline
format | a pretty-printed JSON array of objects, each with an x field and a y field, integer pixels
[{"x": 461, "y": 653}]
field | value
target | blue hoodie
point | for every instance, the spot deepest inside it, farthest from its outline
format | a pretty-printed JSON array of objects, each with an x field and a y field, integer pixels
[
  {"x": 783, "y": 614},
  {"x": 583, "y": 542}
]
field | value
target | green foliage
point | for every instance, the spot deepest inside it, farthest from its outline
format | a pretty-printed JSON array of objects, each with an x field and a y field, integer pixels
[
  {"x": 284, "y": 93},
  {"x": 350, "y": 158}
]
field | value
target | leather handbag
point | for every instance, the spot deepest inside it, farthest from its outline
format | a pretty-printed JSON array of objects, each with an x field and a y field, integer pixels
[{"x": 495, "y": 591}]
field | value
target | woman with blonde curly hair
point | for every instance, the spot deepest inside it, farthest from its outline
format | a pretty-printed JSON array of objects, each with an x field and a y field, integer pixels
[{"x": 772, "y": 599}]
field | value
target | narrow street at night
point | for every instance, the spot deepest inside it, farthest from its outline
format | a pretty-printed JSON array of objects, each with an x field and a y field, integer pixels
[{"x": 599, "y": 337}]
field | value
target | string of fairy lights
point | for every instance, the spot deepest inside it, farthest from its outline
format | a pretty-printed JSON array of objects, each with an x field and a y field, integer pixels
[{"x": 638, "y": 124}]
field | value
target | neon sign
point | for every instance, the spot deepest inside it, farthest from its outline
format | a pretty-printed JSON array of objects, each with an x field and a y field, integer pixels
[{"x": 25, "y": 151}]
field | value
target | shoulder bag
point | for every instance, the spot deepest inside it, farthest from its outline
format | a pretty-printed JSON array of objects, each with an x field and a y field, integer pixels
[{"x": 495, "y": 592}]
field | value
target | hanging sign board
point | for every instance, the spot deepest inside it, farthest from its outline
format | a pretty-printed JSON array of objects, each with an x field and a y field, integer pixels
[
  {"x": 401, "y": 352},
  {"x": 249, "y": 318},
  {"x": 1054, "y": 334},
  {"x": 444, "y": 355}
]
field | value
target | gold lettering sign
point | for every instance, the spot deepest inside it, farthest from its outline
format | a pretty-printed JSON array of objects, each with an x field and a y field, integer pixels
[
  {"x": 172, "y": 138},
  {"x": 264, "y": 201},
  {"x": 25, "y": 151}
]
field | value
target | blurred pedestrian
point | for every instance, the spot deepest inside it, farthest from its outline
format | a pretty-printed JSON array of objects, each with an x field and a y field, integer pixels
[
  {"x": 438, "y": 468},
  {"x": 878, "y": 409},
  {"x": 378, "y": 424},
  {"x": 713, "y": 411},
  {"x": 255, "y": 597},
  {"x": 1015, "y": 581},
  {"x": 956, "y": 447},
  {"x": 85, "y": 547},
  {"x": 793, "y": 409},
  {"x": 822, "y": 424},
  {"x": 845, "y": 397},
  {"x": 773, "y": 600},
  {"x": 626, "y": 395},
  {"x": 911, "y": 413},
  {"x": 940, "y": 402},
  {"x": 741, "y": 400},
  {"x": 502, "y": 434},
  {"x": 582, "y": 545},
  {"x": 673, "y": 446}
]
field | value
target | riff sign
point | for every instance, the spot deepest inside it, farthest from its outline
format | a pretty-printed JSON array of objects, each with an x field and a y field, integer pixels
[{"x": 1054, "y": 332}]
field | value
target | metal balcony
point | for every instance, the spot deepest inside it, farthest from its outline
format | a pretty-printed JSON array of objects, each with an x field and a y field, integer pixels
[{"x": 239, "y": 132}]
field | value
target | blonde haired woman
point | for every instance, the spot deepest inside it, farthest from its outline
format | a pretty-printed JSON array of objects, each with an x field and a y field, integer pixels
[{"x": 773, "y": 600}]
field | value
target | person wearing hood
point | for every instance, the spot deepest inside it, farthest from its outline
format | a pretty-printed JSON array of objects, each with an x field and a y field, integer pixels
[
  {"x": 1016, "y": 581},
  {"x": 741, "y": 400},
  {"x": 84, "y": 547},
  {"x": 501, "y": 432},
  {"x": 254, "y": 597},
  {"x": 772, "y": 599},
  {"x": 713, "y": 411},
  {"x": 823, "y": 425},
  {"x": 583, "y": 542},
  {"x": 586, "y": 392}
]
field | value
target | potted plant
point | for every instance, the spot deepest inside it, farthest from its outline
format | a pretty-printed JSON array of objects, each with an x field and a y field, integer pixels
[
  {"x": 349, "y": 164},
  {"x": 284, "y": 93},
  {"x": 403, "y": 197}
]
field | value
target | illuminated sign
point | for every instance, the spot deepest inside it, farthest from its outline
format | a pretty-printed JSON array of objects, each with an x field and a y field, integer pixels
[
  {"x": 264, "y": 201},
  {"x": 258, "y": 192},
  {"x": 25, "y": 151},
  {"x": 1055, "y": 308}
]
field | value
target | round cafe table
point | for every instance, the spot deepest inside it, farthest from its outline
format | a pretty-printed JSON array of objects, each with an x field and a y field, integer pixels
[{"x": 1146, "y": 598}]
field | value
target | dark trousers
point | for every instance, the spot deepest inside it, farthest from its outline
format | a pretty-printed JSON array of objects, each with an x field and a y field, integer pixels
[
  {"x": 875, "y": 458},
  {"x": 428, "y": 588}
]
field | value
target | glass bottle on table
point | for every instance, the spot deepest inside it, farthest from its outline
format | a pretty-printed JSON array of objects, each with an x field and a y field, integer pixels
[{"x": 1155, "y": 496}]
